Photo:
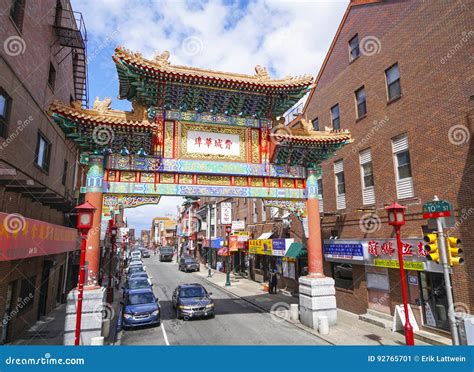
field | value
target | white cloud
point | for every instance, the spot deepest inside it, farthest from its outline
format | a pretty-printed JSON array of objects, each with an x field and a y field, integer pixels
[{"x": 289, "y": 37}]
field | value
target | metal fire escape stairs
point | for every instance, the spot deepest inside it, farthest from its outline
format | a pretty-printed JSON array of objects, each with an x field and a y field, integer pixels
[{"x": 71, "y": 33}]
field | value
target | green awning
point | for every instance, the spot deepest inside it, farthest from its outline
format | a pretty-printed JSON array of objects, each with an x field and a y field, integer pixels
[{"x": 296, "y": 250}]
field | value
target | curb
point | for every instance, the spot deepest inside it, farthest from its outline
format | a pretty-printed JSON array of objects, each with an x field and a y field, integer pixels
[{"x": 265, "y": 310}]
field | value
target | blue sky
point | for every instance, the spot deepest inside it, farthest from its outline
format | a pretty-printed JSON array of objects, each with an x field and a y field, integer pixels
[{"x": 288, "y": 37}]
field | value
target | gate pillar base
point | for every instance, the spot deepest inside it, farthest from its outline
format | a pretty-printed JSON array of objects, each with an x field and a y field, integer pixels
[
  {"x": 93, "y": 304},
  {"x": 317, "y": 298}
]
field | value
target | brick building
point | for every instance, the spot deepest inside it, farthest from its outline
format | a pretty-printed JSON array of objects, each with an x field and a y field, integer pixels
[
  {"x": 398, "y": 75},
  {"x": 42, "y": 58}
]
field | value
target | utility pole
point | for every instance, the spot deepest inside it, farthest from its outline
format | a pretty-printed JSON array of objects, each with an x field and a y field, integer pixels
[
  {"x": 208, "y": 237},
  {"x": 447, "y": 278}
]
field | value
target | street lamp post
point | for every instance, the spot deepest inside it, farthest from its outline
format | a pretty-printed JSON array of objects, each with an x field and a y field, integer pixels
[
  {"x": 84, "y": 224},
  {"x": 110, "y": 288},
  {"x": 396, "y": 218},
  {"x": 228, "y": 229}
]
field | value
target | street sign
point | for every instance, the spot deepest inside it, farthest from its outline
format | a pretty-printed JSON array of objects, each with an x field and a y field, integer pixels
[
  {"x": 238, "y": 225},
  {"x": 226, "y": 213},
  {"x": 436, "y": 209}
]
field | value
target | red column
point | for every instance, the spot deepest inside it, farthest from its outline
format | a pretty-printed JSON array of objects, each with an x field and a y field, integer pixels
[{"x": 315, "y": 249}]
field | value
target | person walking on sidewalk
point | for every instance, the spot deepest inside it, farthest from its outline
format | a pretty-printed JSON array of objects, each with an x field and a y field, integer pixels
[{"x": 272, "y": 282}]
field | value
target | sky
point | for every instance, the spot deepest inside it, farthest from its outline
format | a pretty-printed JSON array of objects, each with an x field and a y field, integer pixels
[{"x": 288, "y": 37}]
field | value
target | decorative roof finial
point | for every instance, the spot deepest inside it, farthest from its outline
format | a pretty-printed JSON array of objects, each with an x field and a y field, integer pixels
[
  {"x": 102, "y": 106},
  {"x": 261, "y": 73},
  {"x": 162, "y": 59}
]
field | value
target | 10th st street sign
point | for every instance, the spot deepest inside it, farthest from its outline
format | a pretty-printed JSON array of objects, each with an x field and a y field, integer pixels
[{"x": 436, "y": 209}]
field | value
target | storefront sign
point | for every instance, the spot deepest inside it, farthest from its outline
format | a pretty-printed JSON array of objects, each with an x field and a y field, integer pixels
[
  {"x": 226, "y": 213},
  {"x": 22, "y": 237},
  {"x": 393, "y": 264},
  {"x": 381, "y": 253},
  {"x": 235, "y": 243},
  {"x": 238, "y": 225},
  {"x": 279, "y": 247},
  {"x": 261, "y": 246},
  {"x": 344, "y": 251}
]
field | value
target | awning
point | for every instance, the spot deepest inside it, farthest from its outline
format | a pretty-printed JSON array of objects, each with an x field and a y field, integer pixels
[
  {"x": 296, "y": 250},
  {"x": 266, "y": 235}
]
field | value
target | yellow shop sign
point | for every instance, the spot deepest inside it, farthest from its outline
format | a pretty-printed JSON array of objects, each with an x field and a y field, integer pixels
[
  {"x": 261, "y": 246},
  {"x": 393, "y": 264}
]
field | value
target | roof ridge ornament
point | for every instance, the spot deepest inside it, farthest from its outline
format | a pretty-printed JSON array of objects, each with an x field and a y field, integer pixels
[
  {"x": 162, "y": 59},
  {"x": 261, "y": 73},
  {"x": 102, "y": 106}
]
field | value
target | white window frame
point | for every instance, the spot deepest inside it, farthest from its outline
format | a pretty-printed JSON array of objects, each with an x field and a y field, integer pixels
[
  {"x": 404, "y": 186},
  {"x": 340, "y": 198},
  {"x": 368, "y": 193}
]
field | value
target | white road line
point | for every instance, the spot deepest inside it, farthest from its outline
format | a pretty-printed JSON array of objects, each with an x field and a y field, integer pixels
[{"x": 164, "y": 333}]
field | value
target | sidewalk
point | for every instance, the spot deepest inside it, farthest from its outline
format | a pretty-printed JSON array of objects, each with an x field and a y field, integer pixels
[
  {"x": 348, "y": 331},
  {"x": 49, "y": 330}
]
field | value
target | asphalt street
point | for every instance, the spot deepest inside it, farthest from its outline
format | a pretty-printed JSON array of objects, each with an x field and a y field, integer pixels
[{"x": 236, "y": 322}]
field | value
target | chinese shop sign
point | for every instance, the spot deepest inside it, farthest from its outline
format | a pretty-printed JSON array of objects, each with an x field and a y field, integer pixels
[
  {"x": 22, "y": 237},
  {"x": 261, "y": 246}
]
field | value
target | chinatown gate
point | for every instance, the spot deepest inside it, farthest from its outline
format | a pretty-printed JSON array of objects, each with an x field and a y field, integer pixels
[{"x": 196, "y": 132}]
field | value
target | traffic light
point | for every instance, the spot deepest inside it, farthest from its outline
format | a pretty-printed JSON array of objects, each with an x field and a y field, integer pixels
[
  {"x": 432, "y": 247},
  {"x": 454, "y": 251}
]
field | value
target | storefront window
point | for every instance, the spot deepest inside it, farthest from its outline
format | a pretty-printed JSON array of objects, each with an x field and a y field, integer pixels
[
  {"x": 435, "y": 302},
  {"x": 342, "y": 274}
]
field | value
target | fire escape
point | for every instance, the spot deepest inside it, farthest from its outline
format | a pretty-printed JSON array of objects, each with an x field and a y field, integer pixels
[{"x": 71, "y": 33}]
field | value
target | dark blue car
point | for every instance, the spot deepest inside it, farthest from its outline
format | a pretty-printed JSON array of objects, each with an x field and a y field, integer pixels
[
  {"x": 136, "y": 283},
  {"x": 140, "y": 307}
]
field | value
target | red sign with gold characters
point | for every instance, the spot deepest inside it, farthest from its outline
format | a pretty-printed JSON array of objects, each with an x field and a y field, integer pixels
[{"x": 22, "y": 237}]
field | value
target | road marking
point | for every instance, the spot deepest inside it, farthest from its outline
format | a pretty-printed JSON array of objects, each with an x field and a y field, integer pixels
[{"x": 164, "y": 333}]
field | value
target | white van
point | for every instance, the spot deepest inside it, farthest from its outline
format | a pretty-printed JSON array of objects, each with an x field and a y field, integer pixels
[{"x": 136, "y": 255}]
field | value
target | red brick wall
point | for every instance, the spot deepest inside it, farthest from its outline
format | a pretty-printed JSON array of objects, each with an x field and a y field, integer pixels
[{"x": 436, "y": 95}]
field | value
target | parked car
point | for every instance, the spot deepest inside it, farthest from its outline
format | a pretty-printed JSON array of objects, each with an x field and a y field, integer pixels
[
  {"x": 166, "y": 254},
  {"x": 343, "y": 271},
  {"x": 145, "y": 253},
  {"x": 135, "y": 269},
  {"x": 188, "y": 264},
  {"x": 136, "y": 255},
  {"x": 133, "y": 264},
  {"x": 140, "y": 307},
  {"x": 139, "y": 275},
  {"x": 136, "y": 283},
  {"x": 192, "y": 301}
]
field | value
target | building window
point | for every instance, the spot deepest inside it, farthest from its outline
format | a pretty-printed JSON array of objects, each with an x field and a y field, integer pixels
[
  {"x": 64, "y": 178},
  {"x": 392, "y": 75},
  {"x": 43, "y": 151},
  {"x": 17, "y": 13},
  {"x": 402, "y": 163},
  {"x": 340, "y": 185},
  {"x": 5, "y": 104},
  {"x": 366, "y": 170},
  {"x": 320, "y": 187},
  {"x": 342, "y": 274},
  {"x": 336, "y": 122},
  {"x": 354, "y": 50},
  {"x": 51, "y": 76},
  {"x": 315, "y": 123},
  {"x": 361, "y": 102}
]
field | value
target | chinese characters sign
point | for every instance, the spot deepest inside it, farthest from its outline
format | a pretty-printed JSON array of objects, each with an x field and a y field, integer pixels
[
  {"x": 200, "y": 142},
  {"x": 226, "y": 213},
  {"x": 24, "y": 237},
  {"x": 261, "y": 246},
  {"x": 346, "y": 251}
]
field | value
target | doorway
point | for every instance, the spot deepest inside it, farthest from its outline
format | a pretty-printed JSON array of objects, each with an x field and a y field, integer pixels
[
  {"x": 43, "y": 297},
  {"x": 434, "y": 300}
]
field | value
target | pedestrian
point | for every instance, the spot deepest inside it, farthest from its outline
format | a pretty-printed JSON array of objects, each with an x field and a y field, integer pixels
[{"x": 272, "y": 282}]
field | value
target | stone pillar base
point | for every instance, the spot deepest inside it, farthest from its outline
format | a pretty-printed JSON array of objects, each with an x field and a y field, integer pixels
[
  {"x": 317, "y": 298},
  {"x": 91, "y": 323}
]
